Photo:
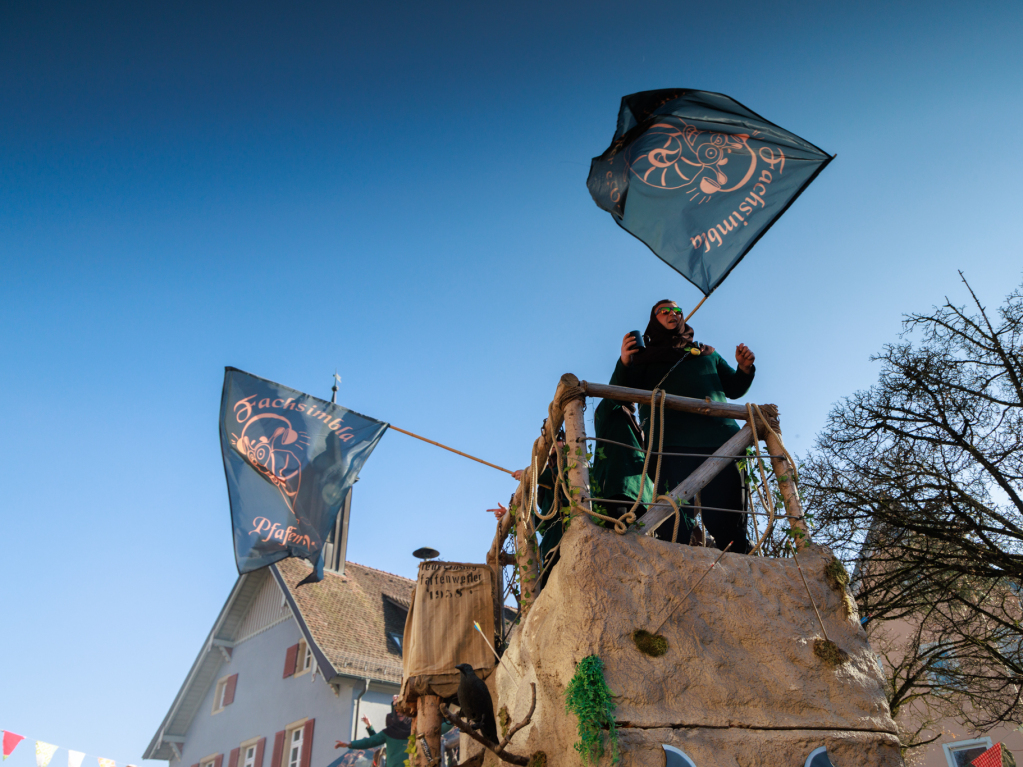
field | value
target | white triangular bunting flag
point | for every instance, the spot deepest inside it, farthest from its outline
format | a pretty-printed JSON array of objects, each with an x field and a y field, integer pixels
[
  {"x": 44, "y": 753},
  {"x": 74, "y": 758}
]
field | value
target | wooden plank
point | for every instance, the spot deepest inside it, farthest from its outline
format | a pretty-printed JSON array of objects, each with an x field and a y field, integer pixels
[
  {"x": 699, "y": 479},
  {"x": 671, "y": 401}
]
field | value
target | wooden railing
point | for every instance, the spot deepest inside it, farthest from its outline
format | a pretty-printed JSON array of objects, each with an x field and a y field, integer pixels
[{"x": 567, "y": 409}]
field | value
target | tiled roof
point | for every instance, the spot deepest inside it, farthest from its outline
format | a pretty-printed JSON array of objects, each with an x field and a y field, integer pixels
[{"x": 350, "y": 617}]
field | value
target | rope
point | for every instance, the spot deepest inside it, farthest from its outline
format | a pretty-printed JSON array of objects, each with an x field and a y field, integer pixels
[
  {"x": 763, "y": 476},
  {"x": 451, "y": 449},
  {"x": 777, "y": 436}
]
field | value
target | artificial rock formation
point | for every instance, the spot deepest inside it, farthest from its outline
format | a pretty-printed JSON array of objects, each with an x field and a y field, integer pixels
[{"x": 739, "y": 684}]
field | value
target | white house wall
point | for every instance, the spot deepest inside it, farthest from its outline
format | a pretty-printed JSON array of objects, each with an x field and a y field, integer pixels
[
  {"x": 376, "y": 705},
  {"x": 266, "y": 702}
]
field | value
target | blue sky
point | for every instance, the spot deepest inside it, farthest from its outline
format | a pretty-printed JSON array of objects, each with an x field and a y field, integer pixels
[{"x": 397, "y": 190}]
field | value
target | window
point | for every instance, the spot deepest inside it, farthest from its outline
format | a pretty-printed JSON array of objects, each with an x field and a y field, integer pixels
[
  {"x": 675, "y": 758},
  {"x": 210, "y": 761},
  {"x": 396, "y": 638},
  {"x": 965, "y": 751},
  {"x": 819, "y": 758},
  {"x": 249, "y": 757},
  {"x": 293, "y": 758},
  {"x": 223, "y": 693},
  {"x": 303, "y": 658}
]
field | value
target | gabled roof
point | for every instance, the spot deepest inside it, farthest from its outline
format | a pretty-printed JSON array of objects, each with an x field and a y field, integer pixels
[
  {"x": 349, "y": 618},
  {"x": 346, "y": 619},
  {"x": 215, "y": 651}
]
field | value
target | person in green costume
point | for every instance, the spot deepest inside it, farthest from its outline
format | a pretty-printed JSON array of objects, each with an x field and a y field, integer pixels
[
  {"x": 617, "y": 473},
  {"x": 552, "y": 529},
  {"x": 673, "y": 361},
  {"x": 394, "y": 736}
]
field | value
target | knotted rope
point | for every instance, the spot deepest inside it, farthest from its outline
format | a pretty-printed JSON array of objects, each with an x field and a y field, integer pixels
[{"x": 764, "y": 493}]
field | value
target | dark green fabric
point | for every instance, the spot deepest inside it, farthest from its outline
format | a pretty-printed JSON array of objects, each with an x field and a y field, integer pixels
[
  {"x": 701, "y": 377},
  {"x": 618, "y": 470},
  {"x": 395, "y": 752}
]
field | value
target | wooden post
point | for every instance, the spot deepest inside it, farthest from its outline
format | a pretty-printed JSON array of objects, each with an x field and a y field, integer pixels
[
  {"x": 575, "y": 440},
  {"x": 784, "y": 474},
  {"x": 428, "y": 727}
]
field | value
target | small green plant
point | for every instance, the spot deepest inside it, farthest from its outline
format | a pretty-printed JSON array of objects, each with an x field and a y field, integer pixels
[
  {"x": 653, "y": 645},
  {"x": 410, "y": 749},
  {"x": 590, "y": 699},
  {"x": 539, "y": 759},
  {"x": 504, "y": 719}
]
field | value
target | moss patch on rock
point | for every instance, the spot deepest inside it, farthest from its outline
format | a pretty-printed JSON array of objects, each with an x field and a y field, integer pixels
[
  {"x": 838, "y": 578},
  {"x": 653, "y": 645},
  {"x": 837, "y": 575},
  {"x": 829, "y": 652}
]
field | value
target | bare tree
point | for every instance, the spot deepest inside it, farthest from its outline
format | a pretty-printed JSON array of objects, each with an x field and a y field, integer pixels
[{"x": 917, "y": 484}]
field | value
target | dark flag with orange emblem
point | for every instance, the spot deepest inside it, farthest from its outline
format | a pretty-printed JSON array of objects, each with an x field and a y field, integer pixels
[
  {"x": 699, "y": 178},
  {"x": 290, "y": 460}
]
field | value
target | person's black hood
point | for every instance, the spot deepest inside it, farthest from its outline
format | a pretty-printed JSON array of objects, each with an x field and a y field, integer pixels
[
  {"x": 397, "y": 726},
  {"x": 664, "y": 344}
]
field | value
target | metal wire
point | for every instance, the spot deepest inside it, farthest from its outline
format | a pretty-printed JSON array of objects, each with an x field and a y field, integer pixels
[
  {"x": 694, "y": 507},
  {"x": 688, "y": 455}
]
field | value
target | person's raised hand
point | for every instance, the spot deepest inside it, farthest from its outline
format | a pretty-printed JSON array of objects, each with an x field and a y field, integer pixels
[
  {"x": 629, "y": 348},
  {"x": 499, "y": 512},
  {"x": 745, "y": 358},
  {"x": 365, "y": 720},
  {"x": 517, "y": 474},
  {"x": 341, "y": 744}
]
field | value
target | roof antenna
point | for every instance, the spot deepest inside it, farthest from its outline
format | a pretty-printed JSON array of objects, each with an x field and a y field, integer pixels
[{"x": 333, "y": 389}]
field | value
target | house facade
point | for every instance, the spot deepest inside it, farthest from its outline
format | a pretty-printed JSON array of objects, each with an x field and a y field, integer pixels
[{"x": 286, "y": 671}]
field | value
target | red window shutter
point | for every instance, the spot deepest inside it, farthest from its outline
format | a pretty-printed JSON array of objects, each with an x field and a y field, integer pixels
[
  {"x": 219, "y": 761},
  {"x": 195, "y": 765},
  {"x": 233, "y": 759},
  {"x": 278, "y": 748},
  {"x": 307, "y": 743},
  {"x": 229, "y": 688},
  {"x": 260, "y": 748},
  {"x": 289, "y": 665}
]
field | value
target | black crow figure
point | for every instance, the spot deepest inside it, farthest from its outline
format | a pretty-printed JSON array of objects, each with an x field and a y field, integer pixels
[{"x": 476, "y": 704}]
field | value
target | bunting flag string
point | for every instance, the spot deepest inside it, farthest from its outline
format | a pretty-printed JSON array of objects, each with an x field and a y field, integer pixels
[
  {"x": 11, "y": 742},
  {"x": 45, "y": 752}
]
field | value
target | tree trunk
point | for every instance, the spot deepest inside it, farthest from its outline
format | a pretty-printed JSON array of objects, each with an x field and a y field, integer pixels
[{"x": 428, "y": 727}]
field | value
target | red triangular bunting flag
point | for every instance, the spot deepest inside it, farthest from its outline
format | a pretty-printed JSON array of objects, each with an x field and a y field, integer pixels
[
  {"x": 11, "y": 742},
  {"x": 990, "y": 758}
]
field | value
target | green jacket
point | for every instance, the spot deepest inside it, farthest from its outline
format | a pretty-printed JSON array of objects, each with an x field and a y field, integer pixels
[
  {"x": 396, "y": 747},
  {"x": 700, "y": 377}
]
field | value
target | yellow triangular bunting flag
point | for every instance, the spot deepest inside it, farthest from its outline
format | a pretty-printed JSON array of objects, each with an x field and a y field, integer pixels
[{"x": 44, "y": 753}]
